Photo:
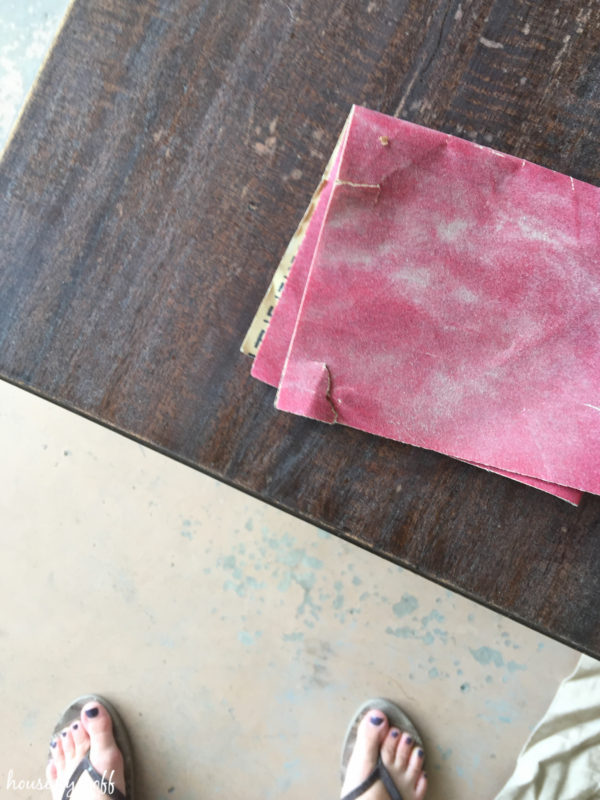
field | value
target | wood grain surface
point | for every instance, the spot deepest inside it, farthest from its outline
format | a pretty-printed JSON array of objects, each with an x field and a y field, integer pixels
[{"x": 160, "y": 167}]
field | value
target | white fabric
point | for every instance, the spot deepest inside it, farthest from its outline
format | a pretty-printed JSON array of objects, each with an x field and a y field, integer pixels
[{"x": 561, "y": 758}]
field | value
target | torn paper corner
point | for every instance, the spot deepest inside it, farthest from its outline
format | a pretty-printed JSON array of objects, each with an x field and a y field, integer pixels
[{"x": 308, "y": 391}]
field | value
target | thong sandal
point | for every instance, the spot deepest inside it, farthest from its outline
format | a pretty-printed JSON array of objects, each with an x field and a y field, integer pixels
[
  {"x": 72, "y": 714},
  {"x": 397, "y": 719}
]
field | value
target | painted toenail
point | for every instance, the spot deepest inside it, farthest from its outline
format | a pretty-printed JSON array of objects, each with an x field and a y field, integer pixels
[
  {"x": 395, "y": 734},
  {"x": 91, "y": 712},
  {"x": 75, "y": 726},
  {"x": 64, "y": 733},
  {"x": 376, "y": 720},
  {"x": 53, "y": 743},
  {"x": 408, "y": 740},
  {"x": 420, "y": 754}
]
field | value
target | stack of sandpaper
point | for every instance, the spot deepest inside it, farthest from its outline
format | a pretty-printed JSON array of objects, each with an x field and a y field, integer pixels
[{"x": 447, "y": 296}]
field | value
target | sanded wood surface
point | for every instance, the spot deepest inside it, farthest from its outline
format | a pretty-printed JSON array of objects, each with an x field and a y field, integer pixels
[{"x": 168, "y": 151}]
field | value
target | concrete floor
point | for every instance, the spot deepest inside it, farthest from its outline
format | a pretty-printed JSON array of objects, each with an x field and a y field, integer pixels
[{"x": 236, "y": 640}]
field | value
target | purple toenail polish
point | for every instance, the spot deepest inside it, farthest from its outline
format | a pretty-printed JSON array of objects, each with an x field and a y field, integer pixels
[
  {"x": 408, "y": 740},
  {"x": 376, "y": 720},
  {"x": 53, "y": 743},
  {"x": 420, "y": 754},
  {"x": 91, "y": 712},
  {"x": 75, "y": 726},
  {"x": 64, "y": 733},
  {"x": 395, "y": 734}
]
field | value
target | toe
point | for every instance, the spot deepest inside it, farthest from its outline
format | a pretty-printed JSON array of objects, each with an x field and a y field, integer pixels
[
  {"x": 68, "y": 745},
  {"x": 389, "y": 747},
  {"x": 421, "y": 787},
  {"x": 98, "y": 725},
  {"x": 56, "y": 752},
  {"x": 404, "y": 750},
  {"x": 81, "y": 739},
  {"x": 51, "y": 772},
  {"x": 414, "y": 770},
  {"x": 105, "y": 755},
  {"x": 371, "y": 733}
]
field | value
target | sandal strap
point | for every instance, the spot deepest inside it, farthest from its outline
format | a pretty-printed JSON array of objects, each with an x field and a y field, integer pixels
[
  {"x": 106, "y": 787},
  {"x": 379, "y": 773}
]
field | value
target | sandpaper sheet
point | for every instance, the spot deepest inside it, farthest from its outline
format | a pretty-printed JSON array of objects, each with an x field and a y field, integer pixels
[
  {"x": 271, "y": 331},
  {"x": 472, "y": 277}
]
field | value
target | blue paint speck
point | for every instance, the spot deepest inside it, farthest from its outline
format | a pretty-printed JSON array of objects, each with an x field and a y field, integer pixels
[
  {"x": 406, "y": 605},
  {"x": 293, "y": 637},
  {"x": 487, "y": 655},
  {"x": 433, "y": 615},
  {"x": 247, "y": 638},
  {"x": 445, "y": 754}
]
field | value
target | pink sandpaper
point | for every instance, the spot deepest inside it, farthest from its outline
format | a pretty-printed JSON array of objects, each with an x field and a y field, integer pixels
[
  {"x": 269, "y": 362},
  {"x": 453, "y": 304}
]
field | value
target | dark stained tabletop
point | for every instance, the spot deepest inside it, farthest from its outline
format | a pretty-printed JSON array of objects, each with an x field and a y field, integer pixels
[{"x": 157, "y": 173}]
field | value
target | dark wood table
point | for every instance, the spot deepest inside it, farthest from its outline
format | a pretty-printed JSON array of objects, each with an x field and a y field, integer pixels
[{"x": 169, "y": 150}]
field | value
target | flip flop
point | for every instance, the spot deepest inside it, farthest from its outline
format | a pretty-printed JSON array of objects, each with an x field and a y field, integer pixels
[
  {"x": 397, "y": 719},
  {"x": 72, "y": 714}
]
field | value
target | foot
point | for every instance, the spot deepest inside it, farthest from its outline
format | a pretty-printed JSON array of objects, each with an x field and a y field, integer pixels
[
  {"x": 402, "y": 758},
  {"x": 90, "y": 735}
]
